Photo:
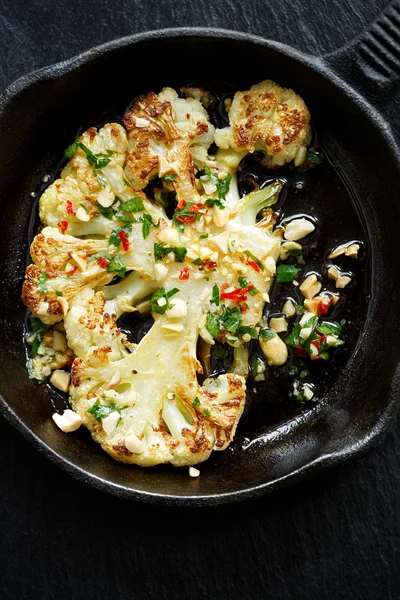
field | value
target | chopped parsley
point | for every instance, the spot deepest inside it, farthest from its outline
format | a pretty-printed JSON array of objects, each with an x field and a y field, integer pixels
[
  {"x": 222, "y": 186},
  {"x": 267, "y": 334},
  {"x": 162, "y": 294},
  {"x": 333, "y": 328},
  {"x": 42, "y": 283},
  {"x": 161, "y": 251},
  {"x": 196, "y": 402},
  {"x": 206, "y": 412},
  {"x": 286, "y": 273},
  {"x": 147, "y": 221},
  {"x": 70, "y": 151},
  {"x": 100, "y": 411},
  {"x": 132, "y": 205},
  {"x": 213, "y": 325},
  {"x": 169, "y": 178},
  {"x": 117, "y": 266},
  {"x": 115, "y": 239},
  {"x": 244, "y": 283},
  {"x": 36, "y": 334},
  {"x": 106, "y": 212},
  {"x": 215, "y": 295}
]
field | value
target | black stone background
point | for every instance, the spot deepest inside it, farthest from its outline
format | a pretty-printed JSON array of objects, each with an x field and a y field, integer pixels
[{"x": 335, "y": 536}]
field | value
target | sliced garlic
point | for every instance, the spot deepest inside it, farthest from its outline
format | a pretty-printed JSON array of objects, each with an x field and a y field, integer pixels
[
  {"x": 69, "y": 421},
  {"x": 278, "y": 324},
  {"x": 178, "y": 310},
  {"x": 59, "y": 342},
  {"x": 289, "y": 309},
  {"x": 333, "y": 273},
  {"x": 193, "y": 472},
  {"x": 275, "y": 350},
  {"x": 169, "y": 236},
  {"x": 310, "y": 286},
  {"x": 343, "y": 281},
  {"x": 133, "y": 444},
  {"x": 220, "y": 216},
  {"x": 61, "y": 380},
  {"x": 352, "y": 250},
  {"x": 160, "y": 272},
  {"x": 297, "y": 229},
  {"x": 110, "y": 422}
]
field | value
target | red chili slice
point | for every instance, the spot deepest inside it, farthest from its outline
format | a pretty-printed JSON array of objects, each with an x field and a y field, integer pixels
[
  {"x": 181, "y": 204},
  {"x": 210, "y": 264},
  {"x": 186, "y": 219},
  {"x": 323, "y": 307},
  {"x": 253, "y": 265},
  {"x": 198, "y": 209},
  {"x": 243, "y": 308},
  {"x": 72, "y": 271},
  {"x": 62, "y": 226},
  {"x": 184, "y": 274},
  {"x": 300, "y": 351},
  {"x": 125, "y": 242},
  {"x": 103, "y": 262},
  {"x": 70, "y": 208}
]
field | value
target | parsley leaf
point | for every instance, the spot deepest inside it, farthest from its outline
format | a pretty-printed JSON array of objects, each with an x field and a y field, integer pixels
[
  {"x": 243, "y": 329},
  {"x": 37, "y": 331},
  {"x": 212, "y": 325},
  {"x": 293, "y": 338},
  {"x": 267, "y": 334},
  {"x": 100, "y": 411},
  {"x": 231, "y": 319},
  {"x": 215, "y": 295},
  {"x": 106, "y": 212},
  {"x": 42, "y": 283},
  {"x": 161, "y": 251},
  {"x": 330, "y": 328},
  {"x": 157, "y": 296},
  {"x": 117, "y": 266},
  {"x": 196, "y": 402},
  {"x": 206, "y": 412},
  {"x": 169, "y": 178},
  {"x": 98, "y": 160},
  {"x": 70, "y": 151},
  {"x": 286, "y": 273},
  {"x": 147, "y": 223},
  {"x": 132, "y": 205},
  {"x": 222, "y": 186}
]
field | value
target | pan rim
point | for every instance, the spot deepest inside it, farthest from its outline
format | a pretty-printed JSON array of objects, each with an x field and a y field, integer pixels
[{"x": 53, "y": 72}]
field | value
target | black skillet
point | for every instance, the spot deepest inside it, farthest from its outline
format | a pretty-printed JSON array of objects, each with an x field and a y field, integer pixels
[{"x": 354, "y": 194}]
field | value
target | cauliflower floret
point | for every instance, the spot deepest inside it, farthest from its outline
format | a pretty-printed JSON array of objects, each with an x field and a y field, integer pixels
[
  {"x": 48, "y": 294},
  {"x": 88, "y": 324},
  {"x": 162, "y": 129},
  {"x": 270, "y": 119},
  {"x": 90, "y": 183}
]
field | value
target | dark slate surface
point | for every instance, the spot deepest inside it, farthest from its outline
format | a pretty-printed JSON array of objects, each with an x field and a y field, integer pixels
[{"x": 336, "y": 536}]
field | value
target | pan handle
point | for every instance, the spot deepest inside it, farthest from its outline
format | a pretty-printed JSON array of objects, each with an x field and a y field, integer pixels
[{"x": 371, "y": 62}]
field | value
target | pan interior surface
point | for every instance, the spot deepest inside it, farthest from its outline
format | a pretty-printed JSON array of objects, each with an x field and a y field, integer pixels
[{"x": 361, "y": 175}]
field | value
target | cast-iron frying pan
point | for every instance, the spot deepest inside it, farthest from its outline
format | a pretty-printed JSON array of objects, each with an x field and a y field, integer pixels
[{"x": 348, "y": 93}]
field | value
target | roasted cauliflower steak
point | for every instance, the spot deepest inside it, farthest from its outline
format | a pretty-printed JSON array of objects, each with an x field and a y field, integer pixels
[{"x": 203, "y": 273}]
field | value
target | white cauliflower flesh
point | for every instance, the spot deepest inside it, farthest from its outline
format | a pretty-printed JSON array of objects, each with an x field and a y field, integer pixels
[
  {"x": 204, "y": 274},
  {"x": 270, "y": 119}
]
